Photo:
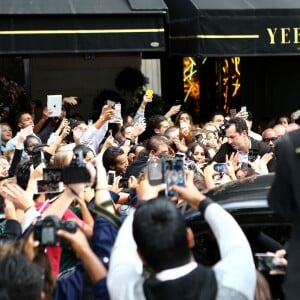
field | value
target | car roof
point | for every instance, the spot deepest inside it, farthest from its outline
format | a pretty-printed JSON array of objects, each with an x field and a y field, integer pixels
[{"x": 240, "y": 195}]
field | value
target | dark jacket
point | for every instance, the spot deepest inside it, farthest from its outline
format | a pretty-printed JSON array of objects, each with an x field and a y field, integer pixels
[
  {"x": 284, "y": 198},
  {"x": 77, "y": 285},
  {"x": 198, "y": 284},
  {"x": 261, "y": 148}
]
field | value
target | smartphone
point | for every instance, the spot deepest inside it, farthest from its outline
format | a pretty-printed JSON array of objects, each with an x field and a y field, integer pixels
[
  {"x": 118, "y": 109},
  {"x": 252, "y": 155},
  {"x": 27, "y": 130},
  {"x": 44, "y": 186},
  {"x": 174, "y": 174},
  {"x": 118, "y": 113},
  {"x": 220, "y": 167},
  {"x": 267, "y": 262},
  {"x": 155, "y": 172},
  {"x": 111, "y": 177},
  {"x": 123, "y": 183},
  {"x": 54, "y": 103},
  {"x": 244, "y": 108},
  {"x": 110, "y": 103},
  {"x": 183, "y": 124},
  {"x": 52, "y": 174},
  {"x": 37, "y": 158},
  {"x": 233, "y": 111},
  {"x": 2, "y": 204},
  {"x": 149, "y": 93}
]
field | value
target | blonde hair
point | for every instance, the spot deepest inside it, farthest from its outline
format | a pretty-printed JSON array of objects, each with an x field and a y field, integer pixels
[{"x": 62, "y": 158}]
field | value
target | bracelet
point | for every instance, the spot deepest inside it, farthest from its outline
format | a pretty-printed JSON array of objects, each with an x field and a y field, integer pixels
[
  {"x": 27, "y": 209},
  {"x": 203, "y": 204}
]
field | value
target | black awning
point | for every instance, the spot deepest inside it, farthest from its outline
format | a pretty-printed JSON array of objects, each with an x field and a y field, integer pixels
[
  {"x": 234, "y": 27},
  {"x": 75, "y": 26}
]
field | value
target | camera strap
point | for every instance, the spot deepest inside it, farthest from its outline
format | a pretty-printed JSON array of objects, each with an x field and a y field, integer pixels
[{"x": 100, "y": 211}]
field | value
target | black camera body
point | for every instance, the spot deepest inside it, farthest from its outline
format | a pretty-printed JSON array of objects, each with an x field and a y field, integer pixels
[
  {"x": 45, "y": 231},
  {"x": 76, "y": 172}
]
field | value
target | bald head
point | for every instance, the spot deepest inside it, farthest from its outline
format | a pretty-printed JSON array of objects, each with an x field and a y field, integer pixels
[{"x": 269, "y": 136}]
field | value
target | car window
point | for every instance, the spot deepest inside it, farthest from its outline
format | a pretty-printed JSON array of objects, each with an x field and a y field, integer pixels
[{"x": 262, "y": 238}]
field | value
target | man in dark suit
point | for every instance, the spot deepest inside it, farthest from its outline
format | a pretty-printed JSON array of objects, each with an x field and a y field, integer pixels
[
  {"x": 284, "y": 198},
  {"x": 239, "y": 141}
]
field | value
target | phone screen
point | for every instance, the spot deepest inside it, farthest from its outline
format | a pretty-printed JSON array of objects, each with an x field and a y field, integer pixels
[
  {"x": 44, "y": 186},
  {"x": 111, "y": 177},
  {"x": 174, "y": 175},
  {"x": 220, "y": 167}
]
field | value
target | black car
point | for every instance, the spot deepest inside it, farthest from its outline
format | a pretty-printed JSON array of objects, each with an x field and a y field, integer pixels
[{"x": 246, "y": 200}]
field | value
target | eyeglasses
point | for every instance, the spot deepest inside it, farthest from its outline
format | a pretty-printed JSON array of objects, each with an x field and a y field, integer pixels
[{"x": 268, "y": 140}]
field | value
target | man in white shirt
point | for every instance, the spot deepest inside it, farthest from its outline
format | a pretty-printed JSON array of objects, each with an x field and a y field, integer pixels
[{"x": 155, "y": 235}]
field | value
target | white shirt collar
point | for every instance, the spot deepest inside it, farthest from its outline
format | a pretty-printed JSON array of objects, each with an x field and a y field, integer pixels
[{"x": 174, "y": 273}]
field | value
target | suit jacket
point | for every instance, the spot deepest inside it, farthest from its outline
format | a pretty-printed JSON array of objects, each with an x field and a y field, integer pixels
[
  {"x": 284, "y": 198},
  {"x": 261, "y": 147}
]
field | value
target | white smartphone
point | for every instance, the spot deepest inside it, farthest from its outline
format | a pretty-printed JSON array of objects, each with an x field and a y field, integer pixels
[
  {"x": 244, "y": 108},
  {"x": 54, "y": 103},
  {"x": 118, "y": 115},
  {"x": 48, "y": 187},
  {"x": 110, "y": 103}
]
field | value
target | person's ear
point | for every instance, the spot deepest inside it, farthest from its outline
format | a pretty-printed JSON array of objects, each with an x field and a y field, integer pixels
[
  {"x": 152, "y": 153},
  {"x": 190, "y": 237},
  {"x": 156, "y": 131}
]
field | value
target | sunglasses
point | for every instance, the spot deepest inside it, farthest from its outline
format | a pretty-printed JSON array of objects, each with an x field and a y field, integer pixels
[{"x": 268, "y": 140}]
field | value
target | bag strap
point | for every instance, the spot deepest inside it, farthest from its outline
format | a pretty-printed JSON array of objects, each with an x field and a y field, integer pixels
[{"x": 100, "y": 210}]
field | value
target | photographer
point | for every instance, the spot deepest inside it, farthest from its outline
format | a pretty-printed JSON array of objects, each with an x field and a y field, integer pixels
[
  {"x": 74, "y": 286},
  {"x": 174, "y": 273}
]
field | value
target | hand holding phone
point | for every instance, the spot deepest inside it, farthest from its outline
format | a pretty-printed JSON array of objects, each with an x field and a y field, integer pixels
[{"x": 269, "y": 263}]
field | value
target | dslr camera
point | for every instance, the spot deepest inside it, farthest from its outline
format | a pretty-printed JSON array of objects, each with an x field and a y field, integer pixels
[
  {"x": 76, "y": 172},
  {"x": 45, "y": 230}
]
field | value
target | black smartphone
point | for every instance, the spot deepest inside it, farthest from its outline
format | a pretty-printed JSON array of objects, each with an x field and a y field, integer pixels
[
  {"x": 123, "y": 183},
  {"x": 220, "y": 167},
  {"x": 37, "y": 157},
  {"x": 155, "y": 172},
  {"x": 2, "y": 204},
  {"x": 111, "y": 177},
  {"x": 252, "y": 155}
]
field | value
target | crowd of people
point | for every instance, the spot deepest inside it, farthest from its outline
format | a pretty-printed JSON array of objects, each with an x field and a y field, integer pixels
[{"x": 83, "y": 217}]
